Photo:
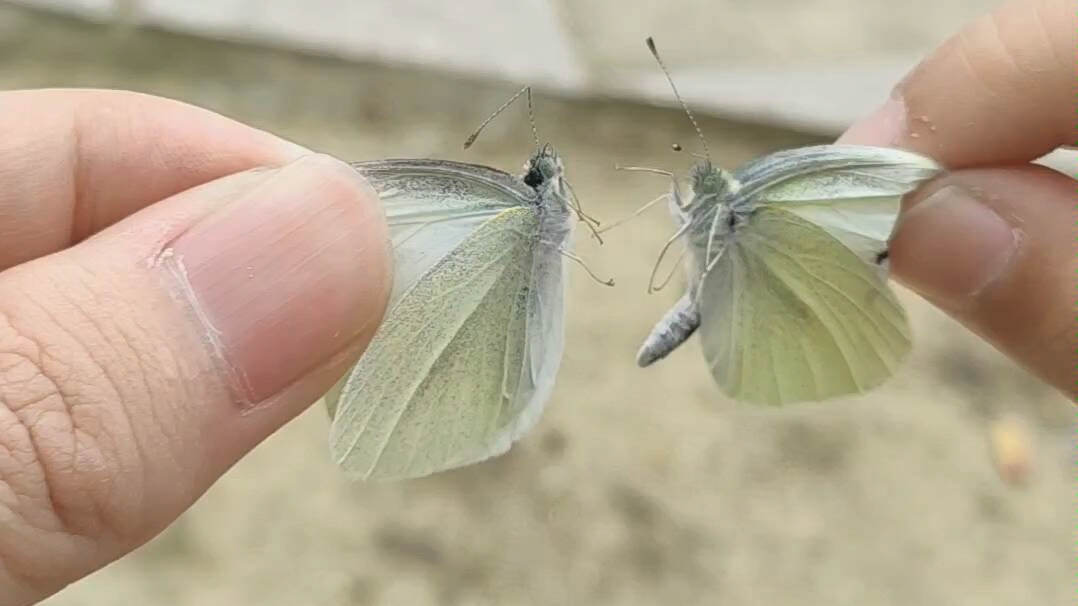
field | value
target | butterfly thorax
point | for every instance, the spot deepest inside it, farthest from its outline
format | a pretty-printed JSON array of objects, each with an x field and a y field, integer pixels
[
  {"x": 544, "y": 173},
  {"x": 716, "y": 213}
]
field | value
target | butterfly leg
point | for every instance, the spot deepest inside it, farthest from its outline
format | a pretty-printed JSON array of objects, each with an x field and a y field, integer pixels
[
  {"x": 674, "y": 329},
  {"x": 635, "y": 214},
  {"x": 662, "y": 253},
  {"x": 580, "y": 262}
]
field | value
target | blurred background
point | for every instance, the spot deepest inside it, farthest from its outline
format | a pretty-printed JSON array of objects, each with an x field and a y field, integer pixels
[{"x": 952, "y": 484}]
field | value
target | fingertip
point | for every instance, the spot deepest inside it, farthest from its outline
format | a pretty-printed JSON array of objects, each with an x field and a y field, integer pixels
[
  {"x": 288, "y": 274},
  {"x": 951, "y": 245},
  {"x": 883, "y": 127},
  {"x": 994, "y": 248},
  {"x": 1001, "y": 91}
]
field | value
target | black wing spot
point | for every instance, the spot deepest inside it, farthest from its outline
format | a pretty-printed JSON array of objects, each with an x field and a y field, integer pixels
[{"x": 882, "y": 256}]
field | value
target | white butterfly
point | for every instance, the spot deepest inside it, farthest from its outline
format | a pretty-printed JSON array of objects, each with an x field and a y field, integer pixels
[
  {"x": 468, "y": 351},
  {"x": 788, "y": 272}
]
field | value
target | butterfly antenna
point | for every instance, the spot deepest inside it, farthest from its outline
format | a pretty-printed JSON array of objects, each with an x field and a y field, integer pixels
[
  {"x": 475, "y": 135},
  {"x": 676, "y": 147},
  {"x": 531, "y": 116},
  {"x": 684, "y": 106},
  {"x": 579, "y": 261}
]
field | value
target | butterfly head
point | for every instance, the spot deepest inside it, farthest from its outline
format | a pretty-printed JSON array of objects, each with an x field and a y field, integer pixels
[
  {"x": 543, "y": 168},
  {"x": 714, "y": 216},
  {"x": 710, "y": 184}
]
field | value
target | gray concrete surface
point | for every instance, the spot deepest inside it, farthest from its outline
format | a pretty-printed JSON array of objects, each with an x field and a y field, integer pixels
[{"x": 637, "y": 487}]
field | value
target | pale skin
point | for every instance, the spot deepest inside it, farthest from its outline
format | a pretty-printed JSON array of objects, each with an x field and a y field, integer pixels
[{"x": 140, "y": 349}]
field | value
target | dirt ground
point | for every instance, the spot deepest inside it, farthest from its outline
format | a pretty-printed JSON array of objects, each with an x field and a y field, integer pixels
[{"x": 638, "y": 486}]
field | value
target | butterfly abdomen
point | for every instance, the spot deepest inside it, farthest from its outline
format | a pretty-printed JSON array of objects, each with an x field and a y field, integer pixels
[{"x": 672, "y": 330}]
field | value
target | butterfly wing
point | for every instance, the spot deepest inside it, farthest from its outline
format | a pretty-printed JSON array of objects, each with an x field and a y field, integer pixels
[
  {"x": 431, "y": 206},
  {"x": 467, "y": 353},
  {"x": 854, "y": 192},
  {"x": 789, "y": 315},
  {"x": 798, "y": 309}
]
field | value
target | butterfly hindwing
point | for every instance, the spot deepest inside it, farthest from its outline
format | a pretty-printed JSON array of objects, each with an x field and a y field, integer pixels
[{"x": 791, "y": 314}]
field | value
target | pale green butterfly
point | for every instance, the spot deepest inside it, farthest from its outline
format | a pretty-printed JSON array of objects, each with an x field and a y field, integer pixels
[
  {"x": 467, "y": 353},
  {"x": 788, "y": 270}
]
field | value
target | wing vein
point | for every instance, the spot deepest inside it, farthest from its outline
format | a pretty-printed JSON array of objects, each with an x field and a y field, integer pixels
[
  {"x": 871, "y": 320},
  {"x": 414, "y": 386}
]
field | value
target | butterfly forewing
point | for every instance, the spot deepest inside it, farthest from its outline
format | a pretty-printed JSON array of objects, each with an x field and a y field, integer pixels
[
  {"x": 466, "y": 355},
  {"x": 429, "y": 392}
]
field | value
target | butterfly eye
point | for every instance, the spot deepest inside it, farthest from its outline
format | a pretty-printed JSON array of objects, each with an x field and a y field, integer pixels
[
  {"x": 534, "y": 177},
  {"x": 542, "y": 170}
]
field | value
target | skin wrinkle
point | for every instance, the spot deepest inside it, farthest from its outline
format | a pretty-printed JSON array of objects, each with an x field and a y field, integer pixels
[
  {"x": 997, "y": 30},
  {"x": 123, "y": 338},
  {"x": 1047, "y": 32},
  {"x": 20, "y": 448},
  {"x": 28, "y": 352},
  {"x": 78, "y": 210},
  {"x": 17, "y": 345},
  {"x": 977, "y": 75},
  {"x": 119, "y": 340},
  {"x": 62, "y": 463},
  {"x": 1044, "y": 32},
  {"x": 86, "y": 453}
]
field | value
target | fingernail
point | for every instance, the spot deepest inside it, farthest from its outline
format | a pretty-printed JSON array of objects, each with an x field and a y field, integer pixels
[
  {"x": 287, "y": 274},
  {"x": 883, "y": 127},
  {"x": 951, "y": 246}
]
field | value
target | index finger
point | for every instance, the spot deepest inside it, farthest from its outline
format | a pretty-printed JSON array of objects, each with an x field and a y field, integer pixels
[
  {"x": 73, "y": 162},
  {"x": 1002, "y": 91}
]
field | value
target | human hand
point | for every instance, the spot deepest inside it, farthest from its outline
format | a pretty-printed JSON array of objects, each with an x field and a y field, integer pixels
[
  {"x": 161, "y": 313},
  {"x": 993, "y": 242}
]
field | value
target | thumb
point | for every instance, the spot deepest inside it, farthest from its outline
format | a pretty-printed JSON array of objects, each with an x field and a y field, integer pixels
[
  {"x": 994, "y": 248},
  {"x": 139, "y": 365}
]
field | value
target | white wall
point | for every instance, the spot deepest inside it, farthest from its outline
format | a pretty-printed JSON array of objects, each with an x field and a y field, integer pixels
[{"x": 810, "y": 64}]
